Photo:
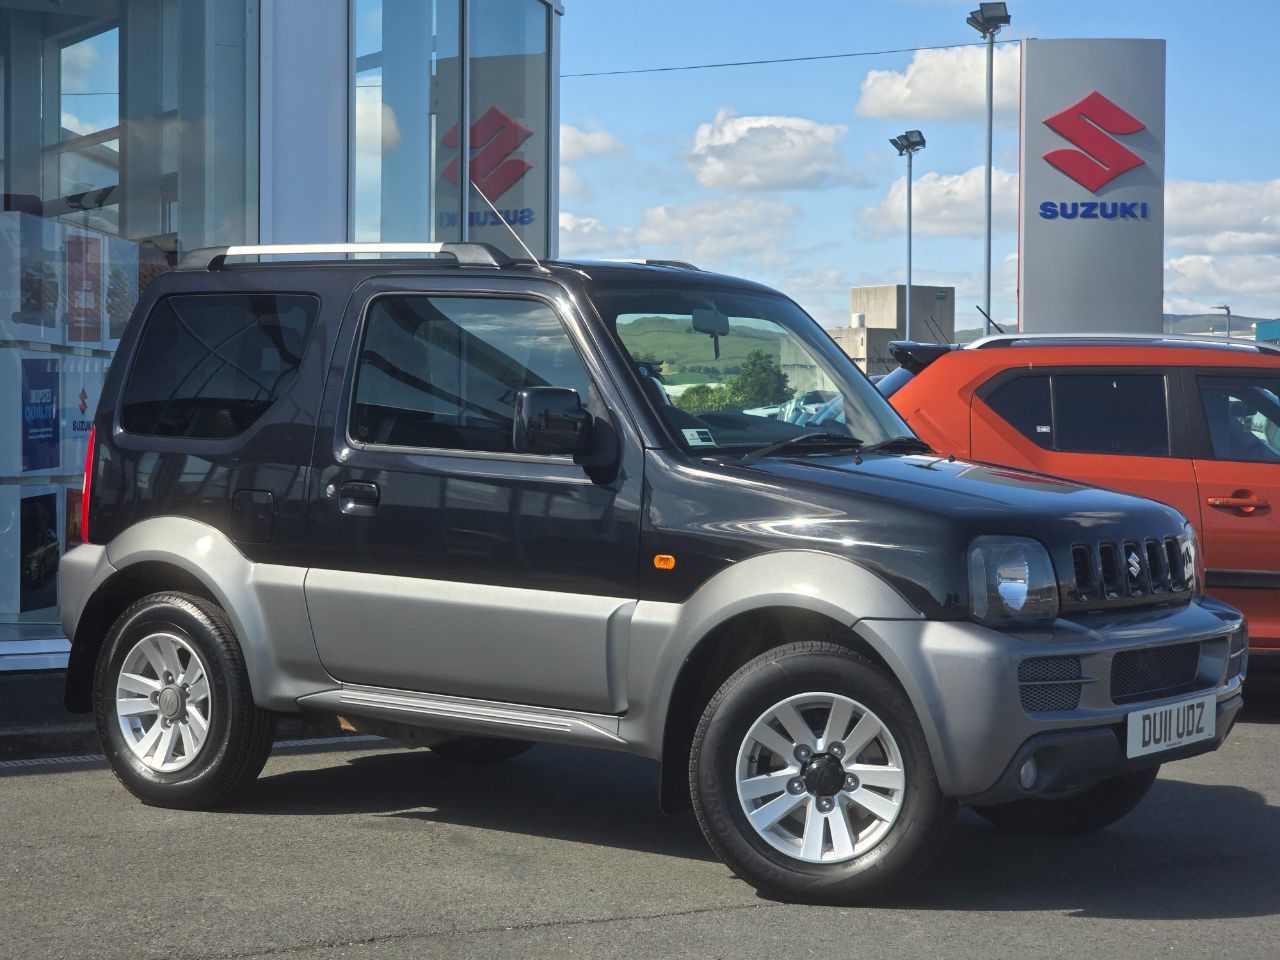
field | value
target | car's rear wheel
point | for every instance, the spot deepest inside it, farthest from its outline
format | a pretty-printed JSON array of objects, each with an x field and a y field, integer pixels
[
  {"x": 811, "y": 777},
  {"x": 468, "y": 749},
  {"x": 1089, "y": 810},
  {"x": 173, "y": 705}
]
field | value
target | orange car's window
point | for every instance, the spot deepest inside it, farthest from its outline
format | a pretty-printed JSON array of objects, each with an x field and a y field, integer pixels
[{"x": 1243, "y": 415}]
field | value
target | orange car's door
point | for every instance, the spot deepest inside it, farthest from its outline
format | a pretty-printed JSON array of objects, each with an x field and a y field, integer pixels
[
  {"x": 1236, "y": 413},
  {"x": 1107, "y": 427}
]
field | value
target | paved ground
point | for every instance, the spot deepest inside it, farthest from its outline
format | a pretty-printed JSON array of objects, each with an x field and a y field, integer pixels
[{"x": 393, "y": 854}]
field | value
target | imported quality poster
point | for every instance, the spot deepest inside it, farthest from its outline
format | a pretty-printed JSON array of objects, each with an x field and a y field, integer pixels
[{"x": 40, "y": 440}]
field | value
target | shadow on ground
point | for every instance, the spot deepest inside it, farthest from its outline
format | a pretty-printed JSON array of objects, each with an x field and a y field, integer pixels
[{"x": 1190, "y": 851}]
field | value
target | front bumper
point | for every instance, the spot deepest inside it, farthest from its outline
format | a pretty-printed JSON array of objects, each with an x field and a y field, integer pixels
[{"x": 964, "y": 682}]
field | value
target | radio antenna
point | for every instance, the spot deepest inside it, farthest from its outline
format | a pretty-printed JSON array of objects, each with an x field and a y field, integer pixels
[
  {"x": 980, "y": 310},
  {"x": 503, "y": 220}
]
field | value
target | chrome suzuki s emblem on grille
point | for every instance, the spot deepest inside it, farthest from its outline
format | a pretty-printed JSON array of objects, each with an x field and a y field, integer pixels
[{"x": 1135, "y": 564}]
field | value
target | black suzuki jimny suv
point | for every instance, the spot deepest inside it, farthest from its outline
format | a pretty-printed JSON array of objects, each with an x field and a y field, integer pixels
[{"x": 474, "y": 503}]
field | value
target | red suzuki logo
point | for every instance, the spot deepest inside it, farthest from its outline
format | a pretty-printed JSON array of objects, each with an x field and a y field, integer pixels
[
  {"x": 1099, "y": 159},
  {"x": 493, "y": 170}
]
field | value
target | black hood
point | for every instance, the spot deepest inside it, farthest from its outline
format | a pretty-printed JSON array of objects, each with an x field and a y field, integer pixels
[{"x": 909, "y": 518}]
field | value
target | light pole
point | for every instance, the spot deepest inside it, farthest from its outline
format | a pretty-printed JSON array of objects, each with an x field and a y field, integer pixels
[
  {"x": 1228, "y": 309},
  {"x": 987, "y": 20},
  {"x": 907, "y": 145}
]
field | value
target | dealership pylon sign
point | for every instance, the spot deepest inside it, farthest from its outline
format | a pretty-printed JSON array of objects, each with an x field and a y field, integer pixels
[{"x": 1091, "y": 186}]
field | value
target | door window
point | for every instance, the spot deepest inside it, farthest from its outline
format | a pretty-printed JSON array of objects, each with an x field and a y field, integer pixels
[
  {"x": 443, "y": 372},
  {"x": 1025, "y": 403},
  {"x": 1111, "y": 413},
  {"x": 1243, "y": 417}
]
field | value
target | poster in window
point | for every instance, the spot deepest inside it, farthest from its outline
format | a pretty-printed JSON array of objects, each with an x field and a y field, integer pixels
[
  {"x": 37, "y": 301},
  {"x": 38, "y": 552},
  {"x": 40, "y": 440},
  {"x": 84, "y": 289}
]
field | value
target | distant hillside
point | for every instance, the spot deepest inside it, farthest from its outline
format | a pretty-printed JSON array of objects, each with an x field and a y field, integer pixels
[{"x": 687, "y": 357}]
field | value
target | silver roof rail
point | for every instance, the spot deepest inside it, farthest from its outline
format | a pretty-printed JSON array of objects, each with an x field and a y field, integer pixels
[
  {"x": 467, "y": 254},
  {"x": 1122, "y": 339}
]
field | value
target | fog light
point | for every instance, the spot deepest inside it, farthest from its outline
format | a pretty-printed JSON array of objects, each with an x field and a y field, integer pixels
[{"x": 1028, "y": 773}]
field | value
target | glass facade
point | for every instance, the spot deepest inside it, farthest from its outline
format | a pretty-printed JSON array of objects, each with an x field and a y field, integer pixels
[{"x": 134, "y": 130}]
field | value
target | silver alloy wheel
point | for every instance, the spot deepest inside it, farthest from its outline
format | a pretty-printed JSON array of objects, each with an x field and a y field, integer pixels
[
  {"x": 820, "y": 778},
  {"x": 163, "y": 702}
]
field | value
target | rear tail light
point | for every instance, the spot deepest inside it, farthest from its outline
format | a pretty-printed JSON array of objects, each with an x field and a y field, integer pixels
[{"x": 88, "y": 482}]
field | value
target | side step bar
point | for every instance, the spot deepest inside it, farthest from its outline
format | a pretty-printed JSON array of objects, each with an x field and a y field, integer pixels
[{"x": 463, "y": 715}]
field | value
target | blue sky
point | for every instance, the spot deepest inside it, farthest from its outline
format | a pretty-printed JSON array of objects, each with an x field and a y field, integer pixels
[{"x": 784, "y": 173}]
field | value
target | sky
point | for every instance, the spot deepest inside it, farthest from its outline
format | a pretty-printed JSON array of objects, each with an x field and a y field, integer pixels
[{"x": 783, "y": 172}]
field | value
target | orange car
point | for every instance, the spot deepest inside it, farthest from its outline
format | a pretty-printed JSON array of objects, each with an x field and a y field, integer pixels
[{"x": 1192, "y": 422}]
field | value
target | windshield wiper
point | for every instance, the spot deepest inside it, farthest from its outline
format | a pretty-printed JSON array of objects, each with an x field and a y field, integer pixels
[
  {"x": 902, "y": 442},
  {"x": 821, "y": 440}
]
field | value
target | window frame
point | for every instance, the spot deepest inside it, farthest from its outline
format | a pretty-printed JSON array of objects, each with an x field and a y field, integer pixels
[
  {"x": 1198, "y": 421},
  {"x": 1174, "y": 394},
  {"x": 135, "y": 349},
  {"x": 353, "y": 378}
]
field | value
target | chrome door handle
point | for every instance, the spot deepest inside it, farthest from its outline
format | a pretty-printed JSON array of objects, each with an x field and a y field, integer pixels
[{"x": 1245, "y": 505}]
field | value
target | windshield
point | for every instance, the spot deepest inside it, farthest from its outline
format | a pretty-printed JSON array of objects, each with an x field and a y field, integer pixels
[{"x": 737, "y": 371}]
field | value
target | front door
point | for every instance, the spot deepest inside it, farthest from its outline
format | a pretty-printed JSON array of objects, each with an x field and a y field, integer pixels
[
  {"x": 1238, "y": 472},
  {"x": 443, "y": 561}
]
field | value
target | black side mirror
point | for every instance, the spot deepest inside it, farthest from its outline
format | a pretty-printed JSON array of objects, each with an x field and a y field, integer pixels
[{"x": 550, "y": 420}]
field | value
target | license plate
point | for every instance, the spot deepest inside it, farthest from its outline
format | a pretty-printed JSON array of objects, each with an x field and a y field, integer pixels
[{"x": 1171, "y": 726}]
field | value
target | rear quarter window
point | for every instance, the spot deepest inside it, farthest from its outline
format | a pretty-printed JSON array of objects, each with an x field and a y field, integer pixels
[{"x": 208, "y": 366}]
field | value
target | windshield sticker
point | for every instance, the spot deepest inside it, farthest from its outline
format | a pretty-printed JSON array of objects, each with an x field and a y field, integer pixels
[{"x": 698, "y": 438}]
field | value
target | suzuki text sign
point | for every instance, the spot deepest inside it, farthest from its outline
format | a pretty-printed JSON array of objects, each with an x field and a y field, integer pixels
[{"x": 1091, "y": 186}]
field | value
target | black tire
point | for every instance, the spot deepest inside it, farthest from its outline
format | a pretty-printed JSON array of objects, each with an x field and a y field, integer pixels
[
  {"x": 1090, "y": 810},
  {"x": 796, "y": 669},
  {"x": 240, "y": 733},
  {"x": 465, "y": 749}
]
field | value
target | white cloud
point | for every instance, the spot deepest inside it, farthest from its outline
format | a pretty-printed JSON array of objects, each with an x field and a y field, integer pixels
[
  {"x": 718, "y": 231},
  {"x": 577, "y": 145},
  {"x": 1195, "y": 283},
  {"x": 584, "y": 236},
  {"x": 1241, "y": 217},
  {"x": 946, "y": 205},
  {"x": 769, "y": 153},
  {"x": 945, "y": 84}
]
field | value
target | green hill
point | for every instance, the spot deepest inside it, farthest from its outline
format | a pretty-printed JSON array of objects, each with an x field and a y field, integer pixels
[{"x": 690, "y": 358}]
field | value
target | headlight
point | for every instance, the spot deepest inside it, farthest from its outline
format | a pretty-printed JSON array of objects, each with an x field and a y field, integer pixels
[{"x": 1011, "y": 582}]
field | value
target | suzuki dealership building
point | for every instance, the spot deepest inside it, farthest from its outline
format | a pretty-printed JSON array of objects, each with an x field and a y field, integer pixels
[{"x": 135, "y": 130}]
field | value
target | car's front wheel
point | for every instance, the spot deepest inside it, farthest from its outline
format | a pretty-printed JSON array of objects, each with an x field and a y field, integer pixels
[
  {"x": 811, "y": 777},
  {"x": 173, "y": 705},
  {"x": 1089, "y": 810}
]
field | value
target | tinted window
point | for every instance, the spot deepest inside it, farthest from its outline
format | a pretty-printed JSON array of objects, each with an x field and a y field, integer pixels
[
  {"x": 209, "y": 365},
  {"x": 1025, "y": 404},
  {"x": 1111, "y": 413},
  {"x": 1243, "y": 415},
  {"x": 444, "y": 371}
]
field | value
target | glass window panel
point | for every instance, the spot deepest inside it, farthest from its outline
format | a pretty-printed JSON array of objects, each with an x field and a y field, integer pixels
[
  {"x": 1111, "y": 413},
  {"x": 89, "y": 71},
  {"x": 1243, "y": 416},
  {"x": 443, "y": 372},
  {"x": 1024, "y": 403}
]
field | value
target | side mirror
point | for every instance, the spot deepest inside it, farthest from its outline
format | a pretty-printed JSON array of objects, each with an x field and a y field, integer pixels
[{"x": 550, "y": 420}]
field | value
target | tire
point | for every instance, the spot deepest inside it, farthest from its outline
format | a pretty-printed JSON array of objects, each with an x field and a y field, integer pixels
[
  {"x": 220, "y": 738},
  {"x": 1090, "y": 810},
  {"x": 879, "y": 853},
  {"x": 465, "y": 749}
]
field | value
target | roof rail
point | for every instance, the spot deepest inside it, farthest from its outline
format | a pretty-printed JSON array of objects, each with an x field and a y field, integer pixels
[
  {"x": 678, "y": 264},
  {"x": 1123, "y": 339},
  {"x": 466, "y": 254}
]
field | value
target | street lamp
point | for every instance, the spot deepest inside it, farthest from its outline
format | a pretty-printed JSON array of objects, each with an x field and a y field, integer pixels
[
  {"x": 1228, "y": 309},
  {"x": 907, "y": 145},
  {"x": 987, "y": 20}
]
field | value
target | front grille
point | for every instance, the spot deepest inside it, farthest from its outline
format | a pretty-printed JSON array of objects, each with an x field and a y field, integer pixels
[
  {"x": 1045, "y": 683},
  {"x": 1238, "y": 657},
  {"x": 1127, "y": 570},
  {"x": 1154, "y": 672}
]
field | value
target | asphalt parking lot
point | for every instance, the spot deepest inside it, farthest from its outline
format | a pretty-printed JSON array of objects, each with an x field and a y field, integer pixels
[{"x": 385, "y": 853}]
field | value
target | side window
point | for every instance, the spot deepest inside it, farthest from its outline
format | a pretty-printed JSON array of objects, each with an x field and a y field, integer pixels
[
  {"x": 209, "y": 365},
  {"x": 1243, "y": 416},
  {"x": 443, "y": 372},
  {"x": 1111, "y": 413},
  {"x": 1025, "y": 404}
]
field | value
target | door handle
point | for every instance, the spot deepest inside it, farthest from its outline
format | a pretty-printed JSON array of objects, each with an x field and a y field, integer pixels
[
  {"x": 1246, "y": 505},
  {"x": 358, "y": 498}
]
